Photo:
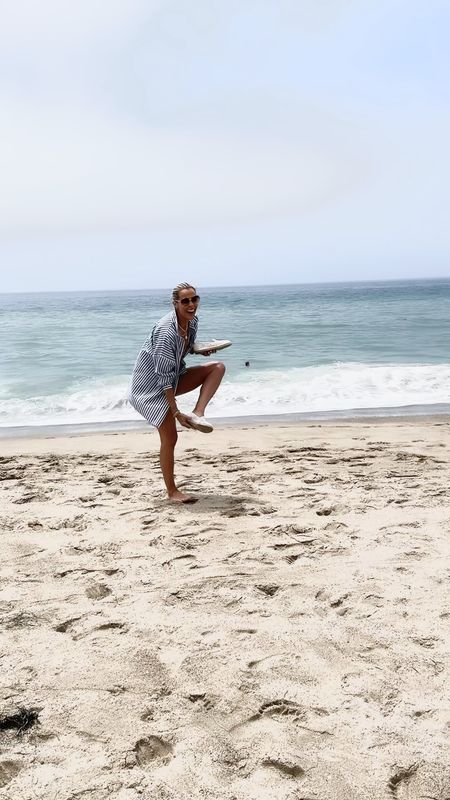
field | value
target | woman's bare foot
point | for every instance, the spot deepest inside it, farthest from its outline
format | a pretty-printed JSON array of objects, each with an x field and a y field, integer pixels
[{"x": 180, "y": 497}]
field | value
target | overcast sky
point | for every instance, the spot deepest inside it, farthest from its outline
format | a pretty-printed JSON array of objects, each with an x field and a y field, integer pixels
[{"x": 224, "y": 142}]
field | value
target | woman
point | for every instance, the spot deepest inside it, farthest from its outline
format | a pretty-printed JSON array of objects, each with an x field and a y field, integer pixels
[{"x": 160, "y": 375}]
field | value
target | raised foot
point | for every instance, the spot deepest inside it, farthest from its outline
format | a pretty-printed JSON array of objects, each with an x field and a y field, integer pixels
[
  {"x": 180, "y": 497},
  {"x": 199, "y": 423}
]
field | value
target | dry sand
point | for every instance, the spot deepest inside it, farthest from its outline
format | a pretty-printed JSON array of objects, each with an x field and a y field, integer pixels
[{"x": 285, "y": 637}]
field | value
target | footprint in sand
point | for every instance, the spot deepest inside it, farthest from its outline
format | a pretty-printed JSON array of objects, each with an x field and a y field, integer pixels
[
  {"x": 399, "y": 780},
  {"x": 35, "y": 524},
  {"x": 245, "y": 631},
  {"x": 425, "y": 641},
  {"x": 30, "y": 497},
  {"x": 294, "y": 528},
  {"x": 77, "y": 523},
  {"x": 97, "y": 591},
  {"x": 7, "y": 523},
  {"x": 325, "y": 512},
  {"x": 152, "y": 752},
  {"x": 313, "y": 479},
  {"x": 202, "y": 701},
  {"x": 420, "y": 780},
  {"x": 258, "y": 512},
  {"x": 8, "y": 771},
  {"x": 108, "y": 626},
  {"x": 275, "y": 708},
  {"x": 237, "y": 511},
  {"x": 414, "y": 524},
  {"x": 69, "y": 626},
  {"x": 269, "y": 589},
  {"x": 334, "y": 526},
  {"x": 65, "y": 627},
  {"x": 287, "y": 767},
  {"x": 24, "y": 619},
  {"x": 148, "y": 523},
  {"x": 335, "y": 602},
  {"x": 105, "y": 479},
  {"x": 293, "y": 557}
]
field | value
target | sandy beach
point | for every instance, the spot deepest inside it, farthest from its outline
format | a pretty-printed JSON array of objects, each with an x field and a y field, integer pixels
[{"x": 285, "y": 637}]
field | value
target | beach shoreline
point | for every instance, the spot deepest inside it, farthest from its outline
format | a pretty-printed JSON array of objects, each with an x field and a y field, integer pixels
[
  {"x": 285, "y": 636},
  {"x": 436, "y": 412}
]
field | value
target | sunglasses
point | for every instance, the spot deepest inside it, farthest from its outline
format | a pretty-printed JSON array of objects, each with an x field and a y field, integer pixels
[{"x": 186, "y": 301}]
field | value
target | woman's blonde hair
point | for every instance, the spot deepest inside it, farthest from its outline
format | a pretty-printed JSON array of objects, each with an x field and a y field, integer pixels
[{"x": 177, "y": 289}]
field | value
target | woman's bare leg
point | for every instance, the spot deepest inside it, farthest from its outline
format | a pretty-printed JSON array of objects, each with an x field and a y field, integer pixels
[
  {"x": 209, "y": 377},
  {"x": 168, "y": 435}
]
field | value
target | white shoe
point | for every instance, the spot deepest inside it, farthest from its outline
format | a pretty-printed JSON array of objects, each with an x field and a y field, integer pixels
[
  {"x": 200, "y": 423},
  {"x": 211, "y": 347}
]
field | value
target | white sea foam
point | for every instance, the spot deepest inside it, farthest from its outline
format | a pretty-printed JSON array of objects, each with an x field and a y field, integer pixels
[
  {"x": 328, "y": 388},
  {"x": 334, "y": 387}
]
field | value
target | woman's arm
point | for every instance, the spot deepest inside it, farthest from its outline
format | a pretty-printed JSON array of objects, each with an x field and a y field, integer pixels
[{"x": 182, "y": 418}]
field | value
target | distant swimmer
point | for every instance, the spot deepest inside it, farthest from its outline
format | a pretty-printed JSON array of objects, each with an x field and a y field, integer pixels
[{"x": 247, "y": 363}]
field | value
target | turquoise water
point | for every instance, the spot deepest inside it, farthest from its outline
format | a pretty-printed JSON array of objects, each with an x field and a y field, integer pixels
[{"x": 66, "y": 358}]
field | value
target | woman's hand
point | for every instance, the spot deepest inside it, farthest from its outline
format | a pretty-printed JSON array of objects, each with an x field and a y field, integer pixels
[
  {"x": 209, "y": 353},
  {"x": 183, "y": 419}
]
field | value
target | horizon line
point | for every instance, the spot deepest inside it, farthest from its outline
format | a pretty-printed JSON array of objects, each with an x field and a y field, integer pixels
[{"x": 231, "y": 286}]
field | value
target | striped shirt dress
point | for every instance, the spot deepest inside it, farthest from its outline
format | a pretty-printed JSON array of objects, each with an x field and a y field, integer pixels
[{"x": 159, "y": 366}]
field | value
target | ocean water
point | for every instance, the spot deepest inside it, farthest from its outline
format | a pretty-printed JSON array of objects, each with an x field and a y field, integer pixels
[{"x": 328, "y": 349}]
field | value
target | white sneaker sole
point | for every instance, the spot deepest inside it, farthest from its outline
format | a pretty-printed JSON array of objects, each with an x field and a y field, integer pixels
[
  {"x": 203, "y": 427},
  {"x": 206, "y": 347}
]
